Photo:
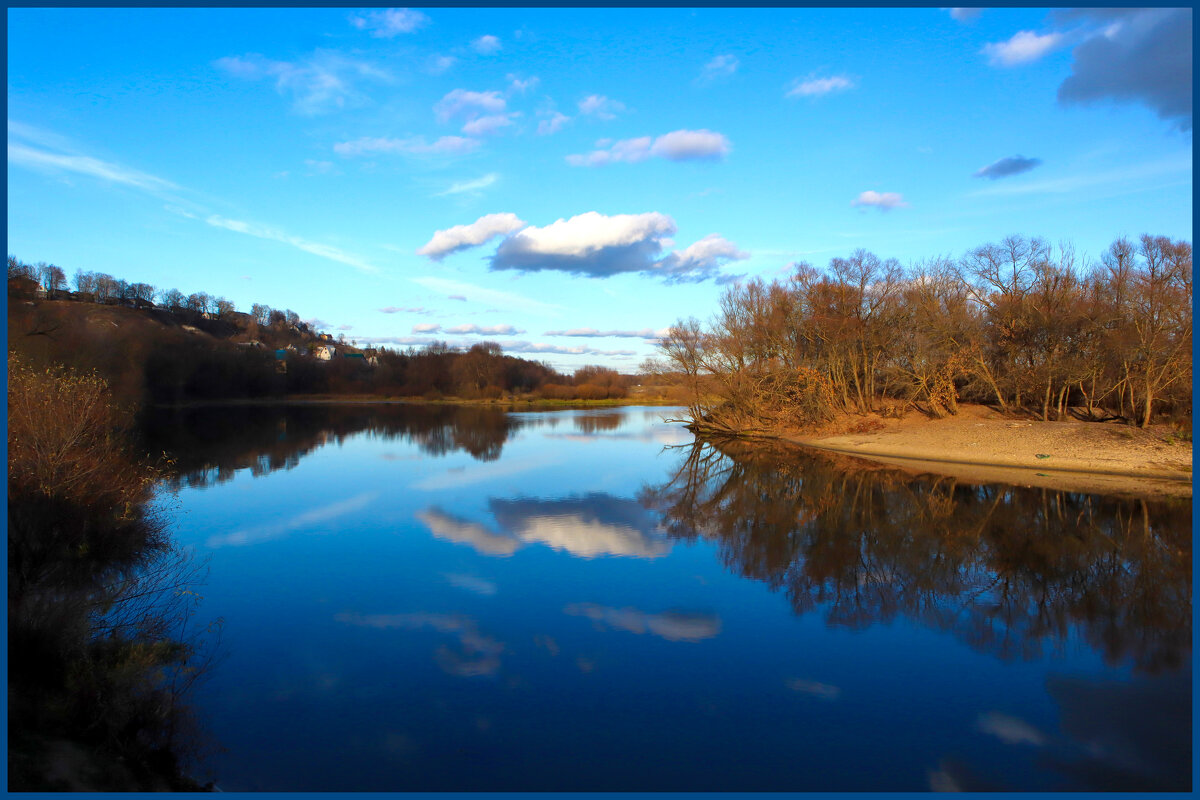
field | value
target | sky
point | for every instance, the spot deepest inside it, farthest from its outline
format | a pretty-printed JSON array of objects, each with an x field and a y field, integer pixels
[{"x": 570, "y": 182}]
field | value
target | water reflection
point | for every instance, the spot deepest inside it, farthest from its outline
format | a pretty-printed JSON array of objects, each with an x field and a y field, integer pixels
[
  {"x": 1006, "y": 569},
  {"x": 674, "y": 626},
  {"x": 210, "y": 444},
  {"x": 596, "y": 524}
]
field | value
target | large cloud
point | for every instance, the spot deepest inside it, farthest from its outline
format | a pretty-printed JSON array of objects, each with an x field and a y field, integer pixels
[
  {"x": 644, "y": 333},
  {"x": 1139, "y": 56},
  {"x": 599, "y": 246},
  {"x": 461, "y": 237},
  {"x": 681, "y": 145},
  {"x": 1011, "y": 165}
]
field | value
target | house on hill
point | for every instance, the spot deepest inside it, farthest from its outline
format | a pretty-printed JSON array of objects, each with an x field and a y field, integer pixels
[{"x": 324, "y": 352}]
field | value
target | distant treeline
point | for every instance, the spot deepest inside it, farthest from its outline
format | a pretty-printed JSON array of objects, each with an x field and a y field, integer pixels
[
  {"x": 1019, "y": 325},
  {"x": 199, "y": 347}
]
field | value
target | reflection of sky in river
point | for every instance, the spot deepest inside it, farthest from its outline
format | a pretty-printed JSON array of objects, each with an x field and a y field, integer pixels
[{"x": 400, "y": 619}]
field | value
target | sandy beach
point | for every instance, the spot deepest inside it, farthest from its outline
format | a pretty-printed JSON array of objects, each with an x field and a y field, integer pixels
[{"x": 981, "y": 444}]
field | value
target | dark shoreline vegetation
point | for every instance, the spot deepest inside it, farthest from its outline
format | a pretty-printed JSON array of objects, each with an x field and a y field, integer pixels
[
  {"x": 103, "y": 640},
  {"x": 1021, "y": 326}
]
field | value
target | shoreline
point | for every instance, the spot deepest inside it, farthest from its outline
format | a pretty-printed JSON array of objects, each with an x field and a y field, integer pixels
[
  {"x": 981, "y": 445},
  {"x": 308, "y": 399}
]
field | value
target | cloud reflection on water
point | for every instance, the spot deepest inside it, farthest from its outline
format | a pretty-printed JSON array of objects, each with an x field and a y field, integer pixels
[
  {"x": 674, "y": 626},
  {"x": 594, "y": 525}
]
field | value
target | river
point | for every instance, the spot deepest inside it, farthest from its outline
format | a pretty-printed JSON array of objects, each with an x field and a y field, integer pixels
[{"x": 453, "y": 598}]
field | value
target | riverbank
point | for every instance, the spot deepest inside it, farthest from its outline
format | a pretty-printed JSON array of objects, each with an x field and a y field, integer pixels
[{"x": 980, "y": 444}]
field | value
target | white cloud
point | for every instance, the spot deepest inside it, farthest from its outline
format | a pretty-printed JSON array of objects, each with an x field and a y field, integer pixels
[
  {"x": 483, "y": 126},
  {"x": 599, "y": 246},
  {"x": 486, "y": 45},
  {"x": 416, "y": 145},
  {"x": 484, "y": 330},
  {"x": 601, "y": 107},
  {"x": 552, "y": 124},
  {"x": 720, "y": 67},
  {"x": 460, "y": 237},
  {"x": 884, "y": 201},
  {"x": 681, "y": 145},
  {"x": 85, "y": 165},
  {"x": 685, "y": 145},
  {"x": 1022, "y": 48},
  {"x": 438, "y": 64},
  {"x": 468, "y": 104},
  {"x": 273, "y": 234},
  {"x": 817, "y": 87},
  {"x": 965, "y": 14},
  {"x": 426, "y": 327},
  {"x": 700, "y": 260},
  {"x": 324, "y": 82},
  {"x": 521, "y": 85},
  {"x": 389, "y": 22},
  {"x": 470, "y": 187}
]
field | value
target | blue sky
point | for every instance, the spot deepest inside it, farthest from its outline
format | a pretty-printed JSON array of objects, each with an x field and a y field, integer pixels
[{"x": 568, "y": 182}]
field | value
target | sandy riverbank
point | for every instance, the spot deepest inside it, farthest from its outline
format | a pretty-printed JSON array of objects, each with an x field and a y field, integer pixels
[{"x": 980, "y": 444}]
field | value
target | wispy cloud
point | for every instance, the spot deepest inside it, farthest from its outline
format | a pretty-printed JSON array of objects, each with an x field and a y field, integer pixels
[
  {"x": 307, "y": 519},
  {"x": 415, "y": 145},
  {"x": 486, "y": 45},
  {"x": 389, "y": 22},
  {"x": 681, "y": 145},
  {"x": 468, "y": 104},
  {"x": 1010, "y": 730},
  {"x": 492, "y": 297},
  {"x": 965, "y": 14},
  {"x": 1022, "y": 48},
  {"x": 600, "y": 107},
  {"x": 643, "y": 333},
  {"x": 439, "y": 64},
  {"x": 324, "y": 82},
  {"x": 398, "y": 309},
  {"x": 473, "y": 187},
  {"x": 723, "y": 66},
  {"x": 276, "y": 235},
  {"x": 552, "y": 123},
  {"x": 884, "y": 201},
  {"x": 818, "y": 87},
  {"x": 823, "y": 691},
  {"x": 45, "y": 161},
  {"x": 519, "y": 85}
]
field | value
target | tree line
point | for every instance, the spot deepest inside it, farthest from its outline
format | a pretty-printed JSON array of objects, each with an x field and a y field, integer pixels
[
  {"x": 169, "y": 364},
  {"x": 1022, "y": 325}
]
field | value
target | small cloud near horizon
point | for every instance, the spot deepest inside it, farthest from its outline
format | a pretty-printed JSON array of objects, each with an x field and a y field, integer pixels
[{"x": 884, "y": 201}]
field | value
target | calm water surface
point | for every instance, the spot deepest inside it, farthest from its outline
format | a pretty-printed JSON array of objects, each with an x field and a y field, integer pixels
[{"x": 426, "y": 598}]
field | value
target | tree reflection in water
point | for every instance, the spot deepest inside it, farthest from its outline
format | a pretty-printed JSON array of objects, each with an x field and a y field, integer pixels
[
  {"x": 1009, "y": 570},
  {"x": 209, "y": 444}
]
